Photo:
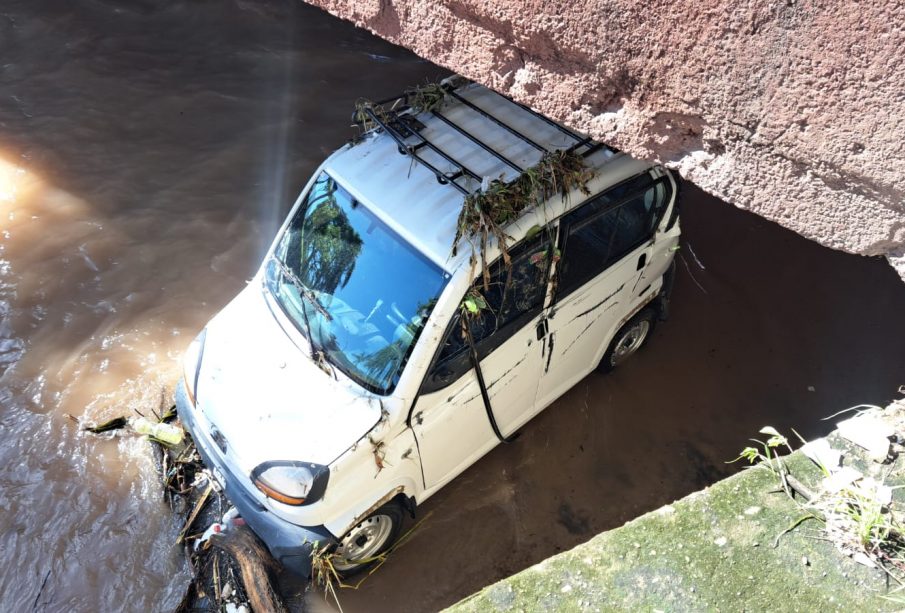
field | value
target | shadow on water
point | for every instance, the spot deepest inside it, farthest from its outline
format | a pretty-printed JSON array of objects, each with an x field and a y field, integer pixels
[{"x": 149, "y": 152}]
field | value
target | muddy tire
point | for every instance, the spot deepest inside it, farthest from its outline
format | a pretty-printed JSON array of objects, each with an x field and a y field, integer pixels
[
  {"x": 363, "y": 545},
  {"x": 630, "y": 338}
]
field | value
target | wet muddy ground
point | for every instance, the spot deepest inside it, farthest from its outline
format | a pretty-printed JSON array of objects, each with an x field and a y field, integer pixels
[{"x": 147, "y": 155}]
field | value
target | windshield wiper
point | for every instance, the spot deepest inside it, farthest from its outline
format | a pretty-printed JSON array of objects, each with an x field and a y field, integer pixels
[
  {"x": 304, "y": 292},
  {"x": 317, "y": 353}
]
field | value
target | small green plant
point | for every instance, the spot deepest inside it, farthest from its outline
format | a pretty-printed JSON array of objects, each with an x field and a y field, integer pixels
[
  {"x": 860, "y": 522},
  {"x": 473, "y": 303},
  {"x": 873, "y": 525},
  {"x": 768, "y": 455}
]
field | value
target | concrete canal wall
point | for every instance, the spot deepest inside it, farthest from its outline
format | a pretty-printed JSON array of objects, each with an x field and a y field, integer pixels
[
  {"x": 794, "y": 110},
  {"x": 742, "y": 544}
]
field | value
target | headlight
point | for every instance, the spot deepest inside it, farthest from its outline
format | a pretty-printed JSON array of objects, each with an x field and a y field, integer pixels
[
  {"x": 191, "y": 364},
  {"x": 294, "y": 483}
]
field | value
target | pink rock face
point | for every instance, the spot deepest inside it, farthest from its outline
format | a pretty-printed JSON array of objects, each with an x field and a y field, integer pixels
[{"x": 794, "y": 110}]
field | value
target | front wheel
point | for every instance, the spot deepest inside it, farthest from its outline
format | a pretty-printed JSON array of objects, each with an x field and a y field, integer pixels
[
  {"x": 629, "y": 339},
  {"x": 363, "y": 545}
]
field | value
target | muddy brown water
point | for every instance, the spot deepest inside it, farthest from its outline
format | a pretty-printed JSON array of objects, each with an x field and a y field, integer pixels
[{"x": 147, "y": 156}]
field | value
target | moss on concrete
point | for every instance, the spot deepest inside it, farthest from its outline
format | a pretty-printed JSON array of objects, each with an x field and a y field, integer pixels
[{"x": 713, "y": 550}]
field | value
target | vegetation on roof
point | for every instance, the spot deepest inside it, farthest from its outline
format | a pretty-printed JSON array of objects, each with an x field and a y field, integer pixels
[
  {"x": 485, "y": 214},
  {"x": 426, "y": 98},
  {"x": 362, "y": 118},
  {"x": 420, "y": 99}
]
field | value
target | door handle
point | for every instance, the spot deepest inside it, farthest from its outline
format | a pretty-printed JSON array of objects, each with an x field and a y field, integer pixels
[
  {"x": 419, "y": 418},
  {"x": 642, "y": 261},
  {"x": 542, "y": 328}
]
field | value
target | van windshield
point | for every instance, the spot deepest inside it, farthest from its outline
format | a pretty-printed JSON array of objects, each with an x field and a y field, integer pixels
[{"x": 358, "y": 289}]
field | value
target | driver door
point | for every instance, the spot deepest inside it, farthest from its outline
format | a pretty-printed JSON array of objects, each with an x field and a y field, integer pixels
[{"x": 450, "y": 418}]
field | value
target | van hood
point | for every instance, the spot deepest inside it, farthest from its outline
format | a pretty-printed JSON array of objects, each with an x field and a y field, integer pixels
[{"x": 266, "y": 396}]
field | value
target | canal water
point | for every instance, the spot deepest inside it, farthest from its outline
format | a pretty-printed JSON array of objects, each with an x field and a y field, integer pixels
[{"x": 148, "y": 152}]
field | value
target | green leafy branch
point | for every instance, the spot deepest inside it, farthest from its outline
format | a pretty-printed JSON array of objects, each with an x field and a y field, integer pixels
[{"x": 485, "y": 214}]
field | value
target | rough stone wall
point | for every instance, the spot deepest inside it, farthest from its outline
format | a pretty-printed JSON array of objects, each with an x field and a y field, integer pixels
[{"x": 793, "y": 109}]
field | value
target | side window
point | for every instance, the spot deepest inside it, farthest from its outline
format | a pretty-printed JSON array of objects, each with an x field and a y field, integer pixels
[
  {"x": 516, "y": 291},
  {"x": 513, "y": 296},
  {"x": 586, "y": 247},
  {"x": 655, "y": 202},
  {"x": 633, "y": 224},
  {"x": 603, "y": 230}
]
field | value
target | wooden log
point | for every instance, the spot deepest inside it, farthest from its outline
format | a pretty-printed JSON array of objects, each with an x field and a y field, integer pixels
[{"x": 255, "y": 564}]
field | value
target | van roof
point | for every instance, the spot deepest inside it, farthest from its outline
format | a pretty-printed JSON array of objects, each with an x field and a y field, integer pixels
[{"x": 477, "y": 135}]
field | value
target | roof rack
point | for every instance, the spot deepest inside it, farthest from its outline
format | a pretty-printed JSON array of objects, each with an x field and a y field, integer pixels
[
  {"x": 402, "y": 127},
  {"x": 399, "y": 122}
]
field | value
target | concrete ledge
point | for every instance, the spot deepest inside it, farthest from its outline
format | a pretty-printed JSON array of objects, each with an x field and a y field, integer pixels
[{"x": 713, "y": 550}]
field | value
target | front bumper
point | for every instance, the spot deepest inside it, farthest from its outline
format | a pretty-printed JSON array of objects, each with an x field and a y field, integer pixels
[{"x": 290, "y": 544}]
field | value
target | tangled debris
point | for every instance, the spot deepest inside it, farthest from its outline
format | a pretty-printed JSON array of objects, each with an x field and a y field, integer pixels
[
  {"x": 425, "y": 98},
  {"x": 362, "y": 117},
  {"x": 256, "y": 568},
  {"x": 485, "y": 213},
  {"x": 326, "y": 577},
  {"x": 231, "y": 569}
]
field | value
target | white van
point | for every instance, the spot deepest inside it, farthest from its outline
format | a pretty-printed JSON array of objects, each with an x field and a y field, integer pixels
[{"x": 339, "y": 389}]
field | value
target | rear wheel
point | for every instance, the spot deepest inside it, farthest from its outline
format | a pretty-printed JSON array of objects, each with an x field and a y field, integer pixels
[
  {"x": 629, "y": 339},
  {"x": 363, "y": 545}
]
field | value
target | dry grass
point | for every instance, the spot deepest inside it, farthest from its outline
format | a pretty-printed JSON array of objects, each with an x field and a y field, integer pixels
[
  {"x": 426, "y": 98},
  {"x": 363, "y": 119},
  {"x": 862, "y": 525},
  {"x": 421, "y": 99},
  {"x": 323, "y": 569}
]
